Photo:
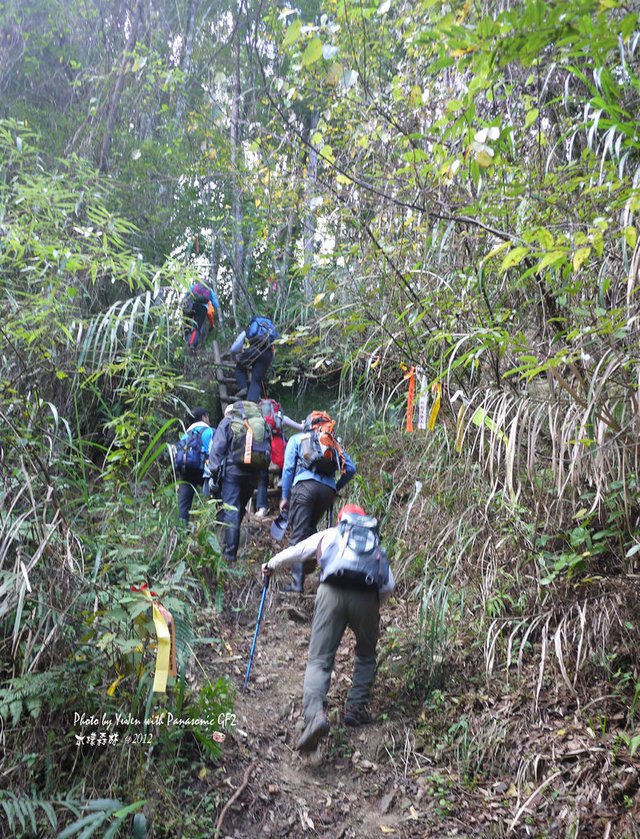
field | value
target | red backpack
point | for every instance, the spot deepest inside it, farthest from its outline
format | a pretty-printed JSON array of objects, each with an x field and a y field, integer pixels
[{"x": 272, "y": 413}]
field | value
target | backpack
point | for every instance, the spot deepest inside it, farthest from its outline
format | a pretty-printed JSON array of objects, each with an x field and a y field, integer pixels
[
  {"x": 272, "y": 413},
  {"x": 189, "y": 454},
  {"x": 261, "y": 331},
  {"x": 356, "y": 559},
  {"x": 200, "y": 293},
  {"x": 320, "y": 450},
  {"x": 251, "y": 435}
]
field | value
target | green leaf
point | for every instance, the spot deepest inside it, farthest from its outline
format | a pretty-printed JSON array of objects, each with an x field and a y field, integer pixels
[
  {"x": 631, "y": 236},
  {"x": 514, "y": 257},
  {"x": 312, "y": 53},
  {"x": 531, "y": 117},
  {"x": 580, "y": 257},
  {"x": 293, "y": 33},
  {"x": 551, "y": 260}
]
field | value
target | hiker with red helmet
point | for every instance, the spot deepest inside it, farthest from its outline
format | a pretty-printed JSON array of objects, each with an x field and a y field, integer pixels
[
  {"x": 354, "y": 579},
  {"x": 312, "y": 460}
]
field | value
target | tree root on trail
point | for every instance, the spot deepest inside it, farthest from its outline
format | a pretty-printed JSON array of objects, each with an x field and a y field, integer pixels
[{"x": 233, "y": 798}]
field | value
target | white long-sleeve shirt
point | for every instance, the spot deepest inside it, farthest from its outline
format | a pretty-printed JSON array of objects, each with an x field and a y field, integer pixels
[{"x": 315, "y": 546}]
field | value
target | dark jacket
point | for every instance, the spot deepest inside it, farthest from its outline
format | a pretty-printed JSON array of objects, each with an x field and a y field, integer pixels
[{"x": 220, "y": 462}]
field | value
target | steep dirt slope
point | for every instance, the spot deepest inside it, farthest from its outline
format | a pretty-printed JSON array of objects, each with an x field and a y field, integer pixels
[{"x": 408, "y": 774}]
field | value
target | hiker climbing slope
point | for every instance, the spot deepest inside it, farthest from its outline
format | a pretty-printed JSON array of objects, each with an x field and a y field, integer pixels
[
  {"x": 240, "y": 450},
  {"x": 191, "y": 456},
  {"x": 277, "y": 421},
  {"x": 253, "y": 353},
  {"x": 311, "y": 462},
  {"x": 198, "y": 306},
  {"x": 354, "y": 579}
]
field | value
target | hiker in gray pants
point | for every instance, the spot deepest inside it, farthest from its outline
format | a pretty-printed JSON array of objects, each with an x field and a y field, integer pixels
[{"x": 341, "y": 601}]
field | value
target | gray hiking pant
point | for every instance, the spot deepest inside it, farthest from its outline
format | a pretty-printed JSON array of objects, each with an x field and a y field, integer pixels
[{"x": 335, "y": 609}]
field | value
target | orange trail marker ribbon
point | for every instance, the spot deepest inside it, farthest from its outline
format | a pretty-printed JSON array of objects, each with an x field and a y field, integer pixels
[{"x": 411, "y": 375}]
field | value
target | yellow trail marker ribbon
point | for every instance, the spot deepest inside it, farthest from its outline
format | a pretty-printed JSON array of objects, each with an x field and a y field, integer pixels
[
  {"x": 436, "y": 388},
  {"x": 165, "y": 632}
]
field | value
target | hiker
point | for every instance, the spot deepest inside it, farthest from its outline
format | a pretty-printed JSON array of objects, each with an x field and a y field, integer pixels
[
  {"x": 354, "y": 579},
  {"x": 277, "y": 420},
  {"x": 199, "y": 304},
  {"x": 253, "y": 353},
  {"x": 309, "y": 487},
  {"x": 191, "y": 456},
  {"x": 235, "y": 463}
]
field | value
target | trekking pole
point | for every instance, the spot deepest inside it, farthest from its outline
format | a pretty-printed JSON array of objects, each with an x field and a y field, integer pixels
[{"x": 255, "y": 634}]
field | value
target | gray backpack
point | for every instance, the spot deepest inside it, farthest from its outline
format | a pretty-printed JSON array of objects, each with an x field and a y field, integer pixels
[{"x": 356, "y": 559}]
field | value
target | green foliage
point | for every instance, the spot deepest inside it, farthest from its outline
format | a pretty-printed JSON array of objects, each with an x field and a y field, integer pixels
[
  {"x": 89, "y": 396},
  {"x": 109, "y": 816}
]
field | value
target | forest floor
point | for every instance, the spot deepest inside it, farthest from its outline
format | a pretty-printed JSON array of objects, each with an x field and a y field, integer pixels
[{"x": 457, "y": 761}]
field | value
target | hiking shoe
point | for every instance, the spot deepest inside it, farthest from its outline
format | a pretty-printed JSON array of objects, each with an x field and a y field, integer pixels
[
  {"x": 356, "y": 715},
  {"x": 261, "y": 513},
  {"x": 241, "y": 393},
  {"x": 313, "y": 733}
]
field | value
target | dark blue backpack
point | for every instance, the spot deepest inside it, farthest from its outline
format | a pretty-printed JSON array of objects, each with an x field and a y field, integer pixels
[
  {"x": 189, "y": 454},
  {"x": 261, "y": 330}
]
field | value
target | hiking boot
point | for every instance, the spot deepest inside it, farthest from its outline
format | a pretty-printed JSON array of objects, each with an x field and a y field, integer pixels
[
  {"x": 356, "y": 715},
  {"x": 297, "y": 579},
  {"x": 313, "y": 733}
]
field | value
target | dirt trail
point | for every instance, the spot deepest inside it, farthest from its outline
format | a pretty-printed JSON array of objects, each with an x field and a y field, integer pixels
[
  {"x": 361, "y": 782},
  {"x": 342, "y": 790},
  {"x": 410, "y": 773}
]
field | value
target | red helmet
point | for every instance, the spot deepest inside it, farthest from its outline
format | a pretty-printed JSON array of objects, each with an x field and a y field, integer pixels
[{"x": 351, "y": 508}]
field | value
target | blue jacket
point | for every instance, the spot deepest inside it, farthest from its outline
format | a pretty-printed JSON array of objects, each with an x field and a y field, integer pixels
[
  {"x": 293, "y": 471},
  {"x": 205, "y": 435}
]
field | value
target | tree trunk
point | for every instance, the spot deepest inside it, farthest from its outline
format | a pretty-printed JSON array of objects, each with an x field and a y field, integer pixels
[
  {"x": 236, "y": 185},
  {"x": 309, "y": 222},
  {"x": 187, "y": 56},
  {"x": 114, "y": 102}
]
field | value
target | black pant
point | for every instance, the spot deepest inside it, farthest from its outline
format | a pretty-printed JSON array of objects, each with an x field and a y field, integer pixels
[
  {"x": 236, "y": 490},
  {"x": 259, "y": 369},
  {"x": 194, "y": 328},
  {"x": 189, "y": 482},
  {"x": 309, "y": 501}
]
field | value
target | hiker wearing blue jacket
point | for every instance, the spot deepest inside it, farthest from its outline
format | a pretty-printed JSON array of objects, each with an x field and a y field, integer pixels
[
  {"x": 309, "y": 488},
  {"x": 253, "y": 353},
  {"x": 190, "y": 479}
]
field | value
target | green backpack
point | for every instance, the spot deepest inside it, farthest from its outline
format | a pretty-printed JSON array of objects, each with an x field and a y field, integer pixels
[{"x": 251, "y": 446}]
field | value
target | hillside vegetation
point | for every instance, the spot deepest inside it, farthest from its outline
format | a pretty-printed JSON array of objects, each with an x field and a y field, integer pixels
[{"x": 429, "y": 198}]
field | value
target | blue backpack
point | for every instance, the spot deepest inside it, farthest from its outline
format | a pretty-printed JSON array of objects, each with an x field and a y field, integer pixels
[
  {"x": 261, "y": 331},
  {"x": 189, "y": 454}
]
